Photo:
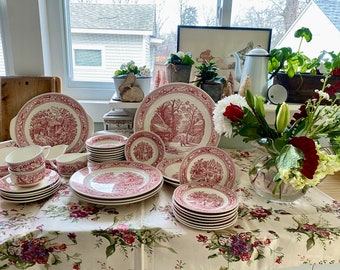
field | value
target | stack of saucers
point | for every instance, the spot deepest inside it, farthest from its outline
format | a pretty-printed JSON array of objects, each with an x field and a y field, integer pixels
[
  {"x": 106, "y": 147},
  {"x": 205, "y": 207},
  {"x": 13, "y": 193}
]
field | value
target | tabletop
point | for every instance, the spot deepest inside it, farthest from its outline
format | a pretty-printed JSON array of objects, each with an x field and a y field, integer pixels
[{"x": 62, "y": 232}]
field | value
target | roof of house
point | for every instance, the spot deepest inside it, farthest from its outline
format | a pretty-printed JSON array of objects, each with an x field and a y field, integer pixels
[
  {"x": 139, "y": 17},
  {"x": 331, "y": 8}
]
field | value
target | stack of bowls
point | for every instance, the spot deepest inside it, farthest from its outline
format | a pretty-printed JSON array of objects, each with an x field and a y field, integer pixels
[{"x": 106, "y": 147}]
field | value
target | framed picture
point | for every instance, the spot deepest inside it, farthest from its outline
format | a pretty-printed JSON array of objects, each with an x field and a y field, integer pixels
[{"x": 226, "y": 46}]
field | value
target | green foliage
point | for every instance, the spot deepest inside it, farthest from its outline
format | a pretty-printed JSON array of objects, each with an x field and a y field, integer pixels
[
  {"x": 286, "y": 60},
  {"x": 207, "y": 73},
  {"x": 180, "y": 58},
  {"x": 131, "y": 67}
]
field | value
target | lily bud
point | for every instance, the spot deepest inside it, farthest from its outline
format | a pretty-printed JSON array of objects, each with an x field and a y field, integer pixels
[
  {"x": 259, "y": 105},
  {"x": 282, "y": 117}
]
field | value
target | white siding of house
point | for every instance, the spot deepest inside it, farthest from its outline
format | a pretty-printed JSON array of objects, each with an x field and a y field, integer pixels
[
  {"x": 118, "y": 49},
  {"x": 325, "y": 34}
]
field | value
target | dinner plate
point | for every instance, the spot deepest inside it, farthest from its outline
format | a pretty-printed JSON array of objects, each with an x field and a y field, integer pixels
[
  {"x": 145, "y": 147},
  {"x": 31, "y": 198},
  {"x": 7, "y": 184},
  {"x": 205, "y": 199},
  {"x": 210, "y": 165},
  {"x": 181, "y": 115},
  {"x": 52, "y": 119},
  {"x": 119, "y": 201},
  {"x": 116, "y": 180}
]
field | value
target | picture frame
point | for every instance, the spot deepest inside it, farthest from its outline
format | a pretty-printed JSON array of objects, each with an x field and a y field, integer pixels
[{"x": 220, "y": 44}]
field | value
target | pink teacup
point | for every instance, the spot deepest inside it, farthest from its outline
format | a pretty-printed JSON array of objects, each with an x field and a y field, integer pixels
[
  {"x": 27, "y": 159},
  {"x": 55, "y": 152},
  {"x": 28, "y": 179}
]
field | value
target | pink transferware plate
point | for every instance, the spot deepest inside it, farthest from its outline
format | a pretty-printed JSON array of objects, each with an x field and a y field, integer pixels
[
  {"x": 209, "y": 165},
  {"x": 205, "y": 199},
  {"x": 170, "y": 169},
  {"x": 116, "y": 180},
  {"x": 181, "y": 115},
  {"x": 145, "y": 147},
  {"x": 52, "y": 119},
  {"x": 106, "y": 141},
  {"x": 7, "y": 184}
]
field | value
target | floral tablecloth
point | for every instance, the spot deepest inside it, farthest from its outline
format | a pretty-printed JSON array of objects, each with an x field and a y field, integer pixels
[{"x": 64, "y": 233}]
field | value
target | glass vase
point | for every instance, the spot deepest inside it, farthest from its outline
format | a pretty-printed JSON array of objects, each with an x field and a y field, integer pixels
[{"x": 262, "y": 173}]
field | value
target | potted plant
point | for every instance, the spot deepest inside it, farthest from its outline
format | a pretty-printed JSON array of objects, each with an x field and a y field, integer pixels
[
  {"x": 297, "y": 72},
  {"x": 178, "y": 67},
  {"x": 142, "y": 74},
  {"x": 207, "y": 78}
]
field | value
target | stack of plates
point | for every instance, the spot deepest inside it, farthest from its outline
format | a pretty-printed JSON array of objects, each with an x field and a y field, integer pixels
[
  {"x": 205, "y": 207},
  {"x": 116, "y": 183},
  {"x": 170, "y": 170},
  {"x": 10, "y": 192},
  {"x": 106, "y": 147}
]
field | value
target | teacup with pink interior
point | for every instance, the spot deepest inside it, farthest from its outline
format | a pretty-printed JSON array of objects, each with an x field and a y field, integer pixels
[
  {"x": 28, "y": 158},
  {"x": 29, "y": 178},
  {"x": 3, "y": 164},
  {"x": 67, "y": 164}
]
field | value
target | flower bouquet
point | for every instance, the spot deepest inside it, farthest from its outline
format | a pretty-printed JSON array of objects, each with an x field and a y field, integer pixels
[{"x": 294, "y": 160}]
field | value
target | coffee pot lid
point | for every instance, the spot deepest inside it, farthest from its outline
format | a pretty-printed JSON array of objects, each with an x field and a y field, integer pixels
[{"x": 258, "y": 51}]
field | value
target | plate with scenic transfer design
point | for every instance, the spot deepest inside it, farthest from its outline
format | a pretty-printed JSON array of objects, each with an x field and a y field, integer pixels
[
  {"x": 116, "y": 180},
  {"x": 181, "y": 115},
  {"x": 52, "y": 119},
  {"x": 210, "y": 165},
  {"x": 145, "y": 147}
]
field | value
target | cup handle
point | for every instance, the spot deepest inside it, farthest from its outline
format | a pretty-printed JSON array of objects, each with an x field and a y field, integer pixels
[
  {"x": 46, "y": 150},
  {"x": 51, "y": 162}
]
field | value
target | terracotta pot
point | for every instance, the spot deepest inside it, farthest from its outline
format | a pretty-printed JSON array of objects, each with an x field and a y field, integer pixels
[
  {"x": 301, "y": 87},
  {"x": 178, "y": 73}
]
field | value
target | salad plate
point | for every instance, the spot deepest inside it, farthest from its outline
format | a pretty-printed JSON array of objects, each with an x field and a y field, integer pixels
[
  {"x": 170, "y": 169},
  {"x": 205, "y": 199},
  {"x": 210, "y": 165},
  {"x": 145, "y": 147},
  {"x": 181, "y": 115},
  {"x": 52, "y": 119},
  {"x": 116, "y": 180}
]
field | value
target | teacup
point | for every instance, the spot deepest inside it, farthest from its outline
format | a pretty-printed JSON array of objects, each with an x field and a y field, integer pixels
[
  {"x": 54, "y": 153},
  {"x": 28, "y": 158},
  {"x": 67, "y": 164},
  {"x": 30, "y": 178},
  {"x": 3, "y": 164}
]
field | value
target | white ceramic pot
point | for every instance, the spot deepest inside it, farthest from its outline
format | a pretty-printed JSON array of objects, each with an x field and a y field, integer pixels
[{"x": 143, "y": 82}]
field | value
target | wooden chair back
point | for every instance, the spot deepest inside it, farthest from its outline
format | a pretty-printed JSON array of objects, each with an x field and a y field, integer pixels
[{"x": 15, "y": 91}]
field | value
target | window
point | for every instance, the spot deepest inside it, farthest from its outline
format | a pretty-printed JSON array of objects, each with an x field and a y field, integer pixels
[
  {"x": 2, "y": 60},
  {"x": 87, "y": 58}
]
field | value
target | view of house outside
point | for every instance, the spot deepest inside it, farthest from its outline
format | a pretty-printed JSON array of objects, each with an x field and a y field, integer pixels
[{"x": 160, "y": 41}]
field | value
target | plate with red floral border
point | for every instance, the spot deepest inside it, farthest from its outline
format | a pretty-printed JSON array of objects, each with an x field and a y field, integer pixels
[
  {"x": 181, "y": 115},
  {"x": 209, "y": 165},
  {"x": 52, "y": 119}
]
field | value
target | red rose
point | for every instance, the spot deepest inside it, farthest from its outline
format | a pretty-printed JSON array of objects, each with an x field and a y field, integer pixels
[
  {"x": 233, "y": 112},
  {"x": 336, "y": 72}
]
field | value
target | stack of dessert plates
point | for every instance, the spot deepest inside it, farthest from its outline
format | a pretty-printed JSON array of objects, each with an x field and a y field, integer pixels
[
  {"x": 13, "y": 193},
  {"x": 116, "y": 182},
  {"x": 205, "y": 207},
  {"x": 170, "y": 170},
  {"x": 106, "y": 147}
]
